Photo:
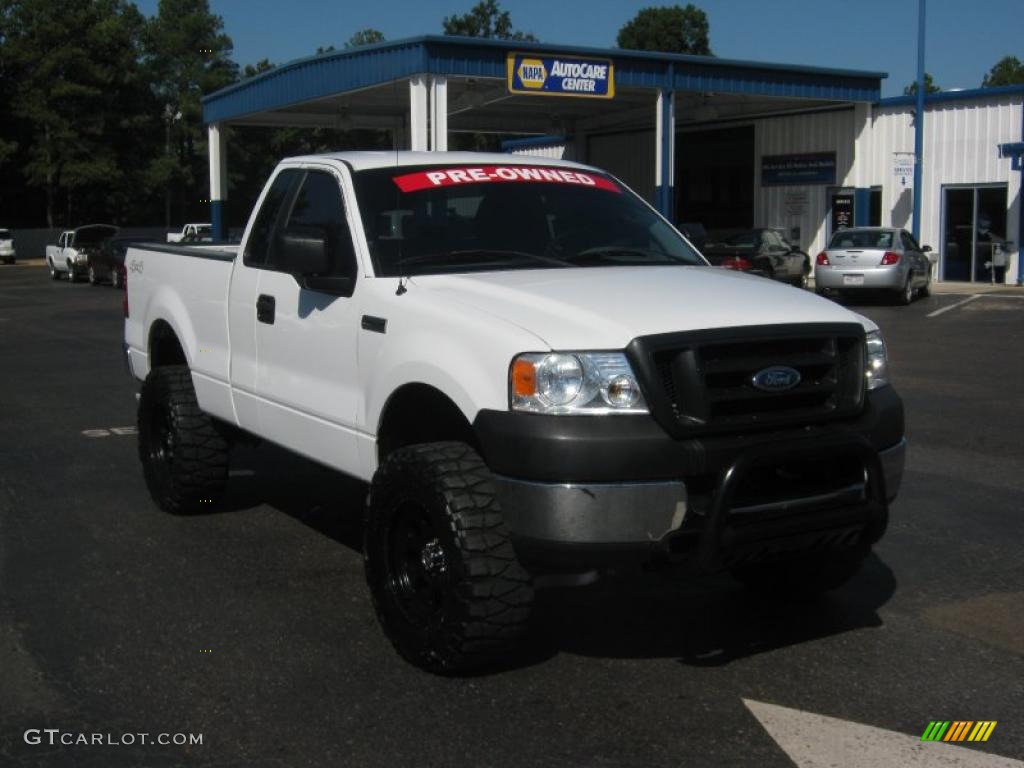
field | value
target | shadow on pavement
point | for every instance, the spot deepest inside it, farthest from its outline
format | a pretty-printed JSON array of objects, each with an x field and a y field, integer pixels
[
  {"x": 327, "y": 501},
  {"x": 701, "y": 621},
  {"x": 706, "y": 621}
]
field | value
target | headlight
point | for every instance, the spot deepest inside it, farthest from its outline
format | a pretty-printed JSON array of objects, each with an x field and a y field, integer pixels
[
  {"x": 574, "y": 382},
  {"x": 878, "y": 364}
]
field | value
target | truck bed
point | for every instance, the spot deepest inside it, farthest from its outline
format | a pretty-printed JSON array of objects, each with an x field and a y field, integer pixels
[{"x": 187, "y": 287}]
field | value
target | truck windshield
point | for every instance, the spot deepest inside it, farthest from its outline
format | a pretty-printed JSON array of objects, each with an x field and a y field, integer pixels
[{"x": 443, "y": 219}]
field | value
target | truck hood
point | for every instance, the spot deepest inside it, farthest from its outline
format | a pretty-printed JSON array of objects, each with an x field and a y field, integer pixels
[{"x": 607, "y": 307}]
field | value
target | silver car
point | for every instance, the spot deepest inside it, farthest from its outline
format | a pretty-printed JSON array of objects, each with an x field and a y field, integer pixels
[{"x": 874, "y": 259}]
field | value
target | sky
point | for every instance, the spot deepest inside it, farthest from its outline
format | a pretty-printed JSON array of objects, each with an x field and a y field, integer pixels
[{"x": 964, "y": 38}]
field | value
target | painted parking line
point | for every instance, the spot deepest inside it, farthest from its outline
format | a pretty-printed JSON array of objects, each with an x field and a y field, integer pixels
[
  {"x": 110, "y": 431},
  {"x": 817, "y": 741},
  {"x": 968, "y": 300}
]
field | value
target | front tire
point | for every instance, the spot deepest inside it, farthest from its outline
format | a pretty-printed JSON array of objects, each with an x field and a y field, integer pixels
[
  {"x": 92, "y": 277},
  {"x": 448, "y": 589},
  {"x": 184, "y": 455}
]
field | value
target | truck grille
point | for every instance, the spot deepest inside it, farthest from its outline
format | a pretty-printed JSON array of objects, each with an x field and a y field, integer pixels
[{"x": 702, "y": 381}]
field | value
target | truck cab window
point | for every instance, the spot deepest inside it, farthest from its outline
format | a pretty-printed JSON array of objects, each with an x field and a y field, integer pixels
[
  {"x": 318, "y": 210},
  {"x": 257, "y": 249}
]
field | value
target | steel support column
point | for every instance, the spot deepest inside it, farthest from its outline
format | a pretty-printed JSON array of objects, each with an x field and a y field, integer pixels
[
  {"x": 665, "y": 153},
  {"x": 1020, "y": 207},
  {"x": 915, "y": 223},
  {"x": 439, "y": 113},
  {"x": 217, "y": 149},
  {"x": 419, "y": 139}
]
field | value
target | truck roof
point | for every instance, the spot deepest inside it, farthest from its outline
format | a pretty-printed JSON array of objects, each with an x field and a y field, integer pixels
[{"x": 361, "y": 161}]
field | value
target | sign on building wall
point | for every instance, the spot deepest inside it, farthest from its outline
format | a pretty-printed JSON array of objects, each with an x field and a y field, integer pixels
[
  {"x": 842, "y": 211},
  {"x": 795, "y": 202},
  {"x": 543, "y": 74},
  {"x": 903, "y": 168},
  {"x": 795, "y": 170}
]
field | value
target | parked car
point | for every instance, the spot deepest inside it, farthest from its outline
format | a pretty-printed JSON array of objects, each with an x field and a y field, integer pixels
[
  {"x": 192, "y": 233},
  {"x": 6, "y": 246},
  {"x": 534, "y": 372},
  {"x": 70, "y": 256},
  {"x": 764, "y": 252},
  {"x": 694, "y": 232},
  {"x": 862, "y": 259},
  {"x": 106, "y": 263}
]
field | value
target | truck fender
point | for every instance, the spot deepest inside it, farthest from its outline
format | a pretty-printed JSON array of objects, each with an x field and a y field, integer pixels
[{"x": 167, "y": 306}]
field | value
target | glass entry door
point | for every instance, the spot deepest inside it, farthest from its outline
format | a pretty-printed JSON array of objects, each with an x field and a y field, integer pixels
[{"x": 974, "y": 231}]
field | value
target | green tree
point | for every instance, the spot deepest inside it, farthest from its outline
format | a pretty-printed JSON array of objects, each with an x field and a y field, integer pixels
[
  {"x": 365, "y": 37},
  {"x": 485, "y": 19},
  {"x": 1007, "y": 71},
  {"x": 75, "y": 104},
  {"x": 675, "y": 29},
  {"x": 187, "y": 56},
  {"x": 929, "y": 86}
]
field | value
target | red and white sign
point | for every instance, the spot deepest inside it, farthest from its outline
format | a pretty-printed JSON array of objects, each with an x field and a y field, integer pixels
[{"x": 485, "y": 174}]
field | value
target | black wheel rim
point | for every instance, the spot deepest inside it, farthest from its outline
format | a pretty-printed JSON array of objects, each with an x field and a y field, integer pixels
[
  {"x": 418, "y": 568},
  {"x": 160, "y": 448}
]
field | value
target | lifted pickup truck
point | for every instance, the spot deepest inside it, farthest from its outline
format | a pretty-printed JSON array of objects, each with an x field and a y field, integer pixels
[{"x": 537, "y": 375}]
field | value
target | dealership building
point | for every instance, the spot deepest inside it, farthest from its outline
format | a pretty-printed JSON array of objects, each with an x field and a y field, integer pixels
[{"x": 723, "y": 143}]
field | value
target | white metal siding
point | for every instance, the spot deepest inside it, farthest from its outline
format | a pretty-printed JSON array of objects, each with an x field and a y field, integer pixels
[
  {"x": 960, "y": 148},
  {"x": 630, "y": 156},
  {"x": 960, "y": 139},
  {"x": 798, "y": 134}
]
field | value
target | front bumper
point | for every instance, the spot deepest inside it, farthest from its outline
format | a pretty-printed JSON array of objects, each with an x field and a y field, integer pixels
[
  {"x": 621, "y": 487},
  {"x": 848, "y": 277}
]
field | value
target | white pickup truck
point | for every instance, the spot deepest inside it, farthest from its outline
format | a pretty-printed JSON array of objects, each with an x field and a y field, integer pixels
[
  {"x": 7, "y": 253},
  {"x": 192, "y": 233},
  {"x": 70, "y": 256},
  {"x": 537, "y": 375}
]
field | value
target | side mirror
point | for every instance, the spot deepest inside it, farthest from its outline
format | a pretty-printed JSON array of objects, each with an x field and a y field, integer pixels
[
  {"x": 338, "y": 286},
  {"x": 926, "y": 249},
  {"x": 305, "y": 252}
]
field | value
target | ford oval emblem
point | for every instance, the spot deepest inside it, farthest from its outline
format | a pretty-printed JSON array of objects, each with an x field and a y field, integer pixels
[{"x": 777, "y": 378}]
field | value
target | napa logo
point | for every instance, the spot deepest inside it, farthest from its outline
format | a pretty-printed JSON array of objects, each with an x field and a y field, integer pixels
[
  {"x": 532, "y": 73},
  {"x": 549, "y": 74}
]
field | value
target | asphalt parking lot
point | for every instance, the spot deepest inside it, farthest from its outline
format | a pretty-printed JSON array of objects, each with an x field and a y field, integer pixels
[{"x": 253, "y": 626}]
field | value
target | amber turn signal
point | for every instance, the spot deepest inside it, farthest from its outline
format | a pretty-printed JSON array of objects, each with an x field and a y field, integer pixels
[{"x": 524, "y": 378}]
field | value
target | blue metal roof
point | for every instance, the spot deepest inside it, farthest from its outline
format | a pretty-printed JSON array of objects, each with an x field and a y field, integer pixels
[
  {"x": 947, "y": 96},
  {"x": 340, "y": 71}
]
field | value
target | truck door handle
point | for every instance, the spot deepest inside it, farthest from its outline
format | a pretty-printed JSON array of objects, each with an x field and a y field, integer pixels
[{"x": 265, "y": 309}]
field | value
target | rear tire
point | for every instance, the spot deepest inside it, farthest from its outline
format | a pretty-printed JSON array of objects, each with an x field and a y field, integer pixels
[
  {"x": 92, "y": 277},
  {"x": 54, "y": 274},
  {"x": 805, "y": 276},
  {"x": 115, "y": 277},
  {"x": 449, "y": 592},
  {"x": 906, "y": 295},
  {"x": 184, "y": 456}
]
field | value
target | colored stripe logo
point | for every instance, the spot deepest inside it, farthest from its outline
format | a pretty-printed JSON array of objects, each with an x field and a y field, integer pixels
[{"x": 958, "y": 730}]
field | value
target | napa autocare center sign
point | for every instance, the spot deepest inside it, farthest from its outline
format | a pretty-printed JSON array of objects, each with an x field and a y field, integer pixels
[{"x": 543, "y": 74}]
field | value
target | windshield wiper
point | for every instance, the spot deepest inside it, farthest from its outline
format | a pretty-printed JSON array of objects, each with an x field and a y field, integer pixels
[
  {"x": 659, "y": 257},
  {"x": 438, "y": 259}
]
